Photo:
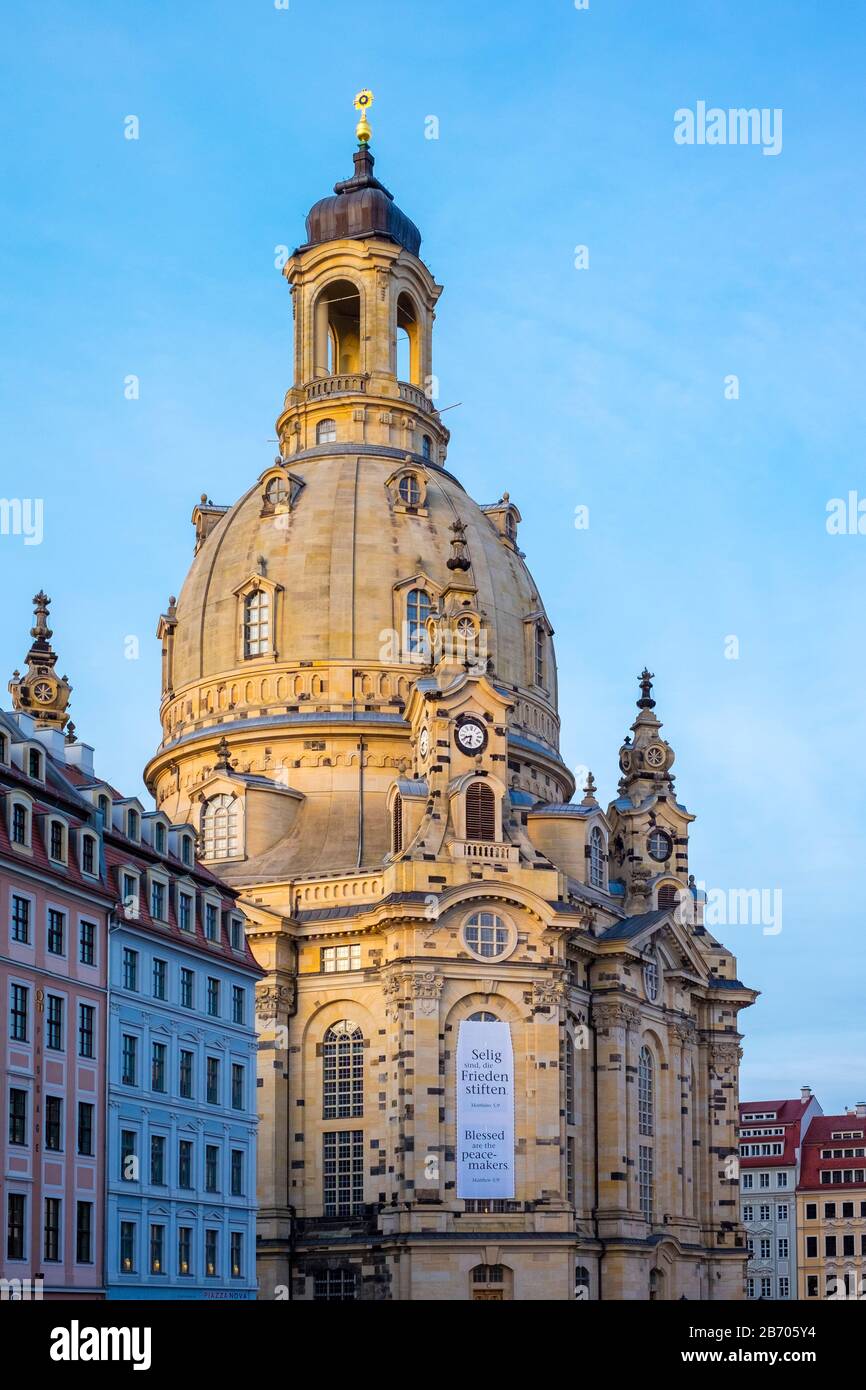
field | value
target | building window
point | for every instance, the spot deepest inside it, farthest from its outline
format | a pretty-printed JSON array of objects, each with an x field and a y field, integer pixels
[
  {"x": 766, "y": 1287},
  {"x": 486, "y": 934},
  {"x": 645, "y": 1181},
  {"x": 343, "y": 1071},
  {"x": 20, "y": 824},
  {"x": 87, "y": 943},
  {"x": 15, "y": 1214},
  {"x": 539, "y": 654},
  {"x": 56, "y": 931},
  {"x": 184, "y": 1163},
  {"x": 133, "y": 827},
  {"x": 784, "y": 1286},
  {"x": 85, "y": 1129},
  {"x": 581, "y": 1273},
  {"x": 17, "y": 1116},
  {"x": 57, "y": 841},
  {"x": 237, "y": 1086},
  {"x": 783, "y": 1249},
  {"x": 130, "y": 968},
  {"x": 157, "y": 900},
  {"x": 159, "y": 975},
  {"x": 409, "y": 490},
  {"x": 397, "y": 824},
  {"x": 128, "y": 1156},
  {"x": 651, "y": 980},
  {"x": 159, "y": 837},
  {"x": 765, "y": 1248},
  {"x": 326, "y": 432},
  {"x": 257, "y": 623},
  {"x": 186, "y": 987},
  {"x": 343, "y": 1172},
  {"x": 336, "y": 958},
  {"x": 237, "y": 1177},
  {"x": 88, "y": 854},
  {"x": 86, "y": 1014},
  {"x": 781, "y": 1178},
  {"x": 830, "y": 1246},
  {"x": 660, "y": 845},
  {"x": 237, "y": 933},
  {"x": 157, "y": 1249},
  {"x": 812, "y": 1286},
  {"x": 480, "y": 812},
  {"x": 104, "y": 808},
  {"x": 782, "y": 1211},
  {"x": 645, "y": 1097},
  {"x": 211, "y": 1168},
  {"x": 667, "y": 897},
  {"x": 213, "y": 1081},
  {"x": 811, "y": 1247},
  {"x": 84, "y": 1233},
  {"x": 157, "y": 1160},
  {"x": 184, "y": 1248},
  {"x": 239, "y": 1010},
  {"x": 211, "y": 1248},
  {"x": 213, "y": 997},
  {"x": 210, "y": 922},
  {"x": 186, "y": 1061},
  {"x": 34, "y": 764},
  {"x": 748, "y": 1213},
  {"x": 335, "y": 1286},
  {"x": 185, "y": 911},
  {"x": 129, "y": 1063},
  {"x": 596, "y": 858},
  {"x": 221, "y": 827},
  {"x": 19, "y": 1008},
  {"x": 21, "y": 920},
  {"x": 127, "y": 1247},
  {"x": 186, "y": 850},
  {"x": 130, "y": 895},
  {"x": 418, "y": 608},
  {"x": 765, "y": 1211},
  {"x": 426, "y": 447},
  {"x": 157, "y": 1067},
  {"x": 763, "y": 1180},
  {"x": 54, "y": 1024}
]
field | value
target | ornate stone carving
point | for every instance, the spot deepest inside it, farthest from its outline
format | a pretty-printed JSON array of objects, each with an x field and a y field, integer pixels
[
  {"x": 725, "y": 1055},
  {"x": 547, "y": 994},
  {"x": 616, "y": 1014},
  {"x": 273, "y": 999},
  {"x": 425, "y": 990}
]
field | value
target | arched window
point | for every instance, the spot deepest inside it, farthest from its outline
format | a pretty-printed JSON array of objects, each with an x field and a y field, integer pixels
[
  {"x": 480, "y": 812},
  {"x": 397, "y": 824},
  {"x": 326, "y": 432},
  {"x": 581, "y": 1282},
  {"x": 645, "y": 1093},
  {"x": 486, "y": 934},
  {"x": 510, "y": 526},
  {"x": 408, "y": 363},
  {"x": 418, "y": 607},
  {"x": 257, "y": 623},
  {"x": 338, "y": 329},
  {"x": 539, "y": 654},
  {"x": 409, "y": 490},
  {"x": 343, "y": 1071},
  {"x": 483, "y": 1016},
  {"x": 426, "y": 446},
  {"x": 596, "y": 858},
  {"x": 221, "y": 827}
]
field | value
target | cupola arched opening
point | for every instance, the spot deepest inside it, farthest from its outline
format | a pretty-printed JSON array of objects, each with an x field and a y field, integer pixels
[
  {"x": 408, "y": 336},
  {"x": 480, "y": 812},
  {"x": 338, "y": 329}
]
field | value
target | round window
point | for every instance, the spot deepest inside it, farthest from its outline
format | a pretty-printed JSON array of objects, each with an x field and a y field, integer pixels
[
  {"x": 660, "y": 845},
  {"x": 487, "y": 935},
  {"x": 410, "y": 492}
]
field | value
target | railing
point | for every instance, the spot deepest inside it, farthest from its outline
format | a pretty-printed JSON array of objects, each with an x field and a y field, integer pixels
[
  {"x": 334, "y": 386},
  {"x": 413, "y": 395},
  {"x": 485, "y": 849}
]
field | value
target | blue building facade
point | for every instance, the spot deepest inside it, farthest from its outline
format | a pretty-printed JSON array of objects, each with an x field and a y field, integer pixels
[{"x": 181, "y": 1200}]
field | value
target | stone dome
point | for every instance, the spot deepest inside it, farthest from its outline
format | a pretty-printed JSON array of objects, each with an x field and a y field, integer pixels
[{"x": 361, "y": 206}]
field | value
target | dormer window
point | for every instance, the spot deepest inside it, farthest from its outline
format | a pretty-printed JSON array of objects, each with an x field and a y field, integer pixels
[
  {"x": 539, "y": 654},
  {"x": 20, "y": 824},
  {"x": 34, "y": 764},
  {"x": 133, "y": 825},
  {"x": 409, "y": 489},
  {"x": 326, "y": 432},
  {"x": 257, "y": 623},
  {"x": 186, "y": 849},
  {"x": 426, "y": 446},
  {"x": 4, "y": 748},
  {"x": 88, "y": 854},
  {"x": 57, "y": 841},
  {"x": 159, "y": 837},
  {"x": 104, "y": 807},
  {"x": 278, "y": 492},
  {"x": 418, "y": 607},
  {"x": 221, "y": 828},
  {"x": 510, "y": 526}
]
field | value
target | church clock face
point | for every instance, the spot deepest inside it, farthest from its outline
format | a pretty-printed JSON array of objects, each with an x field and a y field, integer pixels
[
  {"x": 43, "y": 692},
  {"x": 424, "y": 743},
  {"x": 471, "y": 736},
  {"x": 655, "y": 755}
]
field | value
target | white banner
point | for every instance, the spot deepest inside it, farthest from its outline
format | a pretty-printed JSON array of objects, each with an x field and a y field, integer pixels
[{"x": 485, "y": 1111}]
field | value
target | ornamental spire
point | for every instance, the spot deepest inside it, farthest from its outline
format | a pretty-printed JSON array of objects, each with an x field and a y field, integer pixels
[
  {"x": 363, "y": 102},
  {"x": 40, "y": 692}
]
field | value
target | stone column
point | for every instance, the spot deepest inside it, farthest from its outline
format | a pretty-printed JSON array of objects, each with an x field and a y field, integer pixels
[
  {"x": 617, "y": 1180},
  {"x": 275, "y": 998}
]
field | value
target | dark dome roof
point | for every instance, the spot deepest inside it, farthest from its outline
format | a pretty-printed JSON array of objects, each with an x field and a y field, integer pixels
[{"x": 361, "y": 206}]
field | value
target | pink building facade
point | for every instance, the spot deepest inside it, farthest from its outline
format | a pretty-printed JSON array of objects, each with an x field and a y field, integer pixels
[{"x": 54, "y": 916}]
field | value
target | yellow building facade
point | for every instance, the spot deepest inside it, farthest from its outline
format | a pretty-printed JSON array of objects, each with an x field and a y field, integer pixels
[{"x": 360, "y": 716}]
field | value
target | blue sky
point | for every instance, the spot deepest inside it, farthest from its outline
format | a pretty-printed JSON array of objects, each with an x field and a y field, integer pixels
[{"x": 601, "y": 387}]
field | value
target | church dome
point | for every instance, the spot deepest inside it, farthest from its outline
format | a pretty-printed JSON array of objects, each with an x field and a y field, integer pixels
[{"x": 361, "y": 206}]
